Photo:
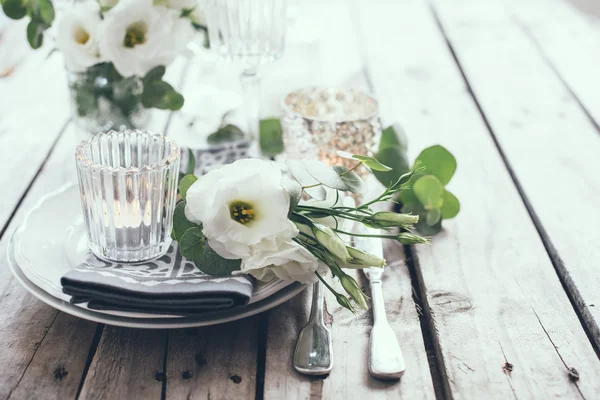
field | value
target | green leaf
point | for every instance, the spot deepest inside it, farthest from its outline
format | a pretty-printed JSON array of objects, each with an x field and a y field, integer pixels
[
  {"x": 155, "y": 74},
  {"x": 185, "y": 183},
  {"x": 35, "y": 34},
  {"x": 191, "y": 167},
  {"x": 192, "y": 245},
  {"x": 433, "y": 216},
  {"x": 428, "y": 230},
  {"x": 324, "y": 174},
  {"x": 213, "y": 264},
  {"x": 429, "y": 191},
  {"x": 228, "y": 133},
  {"x": 407, "y": 196},
  {"x": 180, "y": 223},
  {"x": 271, "y": 136},
  {"x": 372, "y": 163},
  {"x": 451, "y": 205},
  {"x": 161, "y": 95},
  {"x": 394, "y": 158},
  {"x": 354, "y": 182},
  {"x": 44, "y": 11},
  {"x": 439, "y": 162},
  {"x": 15, "y": 9},
  {"x": 393, "y": 136}
]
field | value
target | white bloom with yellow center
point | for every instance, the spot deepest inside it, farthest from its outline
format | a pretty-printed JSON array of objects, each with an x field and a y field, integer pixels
[
  {"x": 77, "y": 36},
  {"x": 289, "y": 261},
  {"x": 138, "y": 36},
  {"x": 242, "y": 207}
]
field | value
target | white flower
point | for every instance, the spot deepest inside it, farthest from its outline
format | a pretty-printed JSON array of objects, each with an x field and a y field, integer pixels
[
  {"x": 289, "y": 262},
  {"x": 77, "y": 36},
  {"x": 138, "y": 36},
  {"x": 242, "y": 207}
]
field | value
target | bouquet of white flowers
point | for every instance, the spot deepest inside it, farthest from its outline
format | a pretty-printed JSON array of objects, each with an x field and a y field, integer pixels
[
  {"x": 248, "y": 218},
  {"x": 115, "y": 51}
]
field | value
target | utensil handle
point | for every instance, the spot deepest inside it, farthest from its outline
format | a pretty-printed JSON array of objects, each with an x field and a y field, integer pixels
[
  {"x": 385, "y": 357},
  {"x": 318, "y": 298}
]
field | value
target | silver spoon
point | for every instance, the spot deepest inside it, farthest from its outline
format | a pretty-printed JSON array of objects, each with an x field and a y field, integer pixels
[{"x": 313, "y": 354}]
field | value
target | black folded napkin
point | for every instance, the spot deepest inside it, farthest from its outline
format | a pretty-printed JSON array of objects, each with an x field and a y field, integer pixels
[{"x": 169, "y": 285}]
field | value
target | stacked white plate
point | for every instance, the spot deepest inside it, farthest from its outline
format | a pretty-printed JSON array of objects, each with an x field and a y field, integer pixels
[{"x": 52, "y": 240}]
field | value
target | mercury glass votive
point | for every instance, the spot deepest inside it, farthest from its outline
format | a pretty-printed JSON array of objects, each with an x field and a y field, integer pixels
[
  {"x": 319, "y": 121},
  {"x": 128, "y": 185}
]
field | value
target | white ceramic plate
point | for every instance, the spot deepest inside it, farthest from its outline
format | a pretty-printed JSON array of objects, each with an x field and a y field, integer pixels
[{"x": 51, "y": 240}]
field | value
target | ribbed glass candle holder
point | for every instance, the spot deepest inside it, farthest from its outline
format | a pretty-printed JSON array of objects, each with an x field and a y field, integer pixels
[{"x": 128, "y": 184}]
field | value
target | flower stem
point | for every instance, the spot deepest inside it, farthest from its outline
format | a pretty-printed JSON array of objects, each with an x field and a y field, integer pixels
[
  {"x": 365, "y": 235},
  {"x": 351, "y": 169}
]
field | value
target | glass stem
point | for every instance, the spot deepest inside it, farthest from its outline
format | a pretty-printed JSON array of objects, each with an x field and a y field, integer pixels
[{"x": 250, "y": 81}]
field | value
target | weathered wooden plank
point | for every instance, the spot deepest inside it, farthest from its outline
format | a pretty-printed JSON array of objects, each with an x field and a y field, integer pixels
[
  {"x": 490, "y": 286},
  {"x": 532, "y": 115},
  {"x": 34, "y": 104},
  {"x": 128, "y": 365},
  {"x": 350, "y": 376},
  {"x": 216, "y": 362},
  {"x": 27, "y": 324},
  {"x": 341, "y": 64},
  {"x": 567, "y": 34},
  {"x": 55, "y": 369}
]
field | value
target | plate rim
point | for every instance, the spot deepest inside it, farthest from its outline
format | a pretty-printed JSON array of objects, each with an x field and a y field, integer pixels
[{"x": 211, "y": 318}]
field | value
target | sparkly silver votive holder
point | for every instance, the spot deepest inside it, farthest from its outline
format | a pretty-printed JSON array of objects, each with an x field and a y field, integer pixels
[
  {"x": 128, "y": 185},
  {"x": 317, "y": 122}
]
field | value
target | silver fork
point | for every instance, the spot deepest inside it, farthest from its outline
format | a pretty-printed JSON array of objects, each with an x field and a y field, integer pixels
[
  {"x": 385, "y": 357},
  {"x": 313, "y": 354}
]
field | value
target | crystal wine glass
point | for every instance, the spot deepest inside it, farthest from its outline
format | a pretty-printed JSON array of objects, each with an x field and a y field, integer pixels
[{"x": 250, "y": 32}]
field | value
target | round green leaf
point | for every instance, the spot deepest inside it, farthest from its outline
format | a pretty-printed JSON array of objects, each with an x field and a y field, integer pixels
[
  {"x": 228, "y": 133},
  {"x": 439, "y": 162},
  {"x": 372, "y": 163},
  {"x": 353, "y": 182},
  {"x": 191, "y": 244},
  {"x": 270, "y": 136},
  {"x": 155, "y": 74},
  {"x": 429, "y": 191},
  {"x": 44, "y": 11},
  {"x": 393, "y": 136},
  {"x": 180, "y": 223},
  {"x": 394, "y": 158},
  {"x": 451, "y": 205},
  {"x": 213, "y": 264},
  {"x": 161, "y": 95},
  {"x": 191, "y": 167},
  {"x": 14, "y": 9},
  {"x": 326, "y": 175},
  {"x": 35, "y": 34},
  {"x": 185, "y": 183},
  {"x": 433, "y": 216}
]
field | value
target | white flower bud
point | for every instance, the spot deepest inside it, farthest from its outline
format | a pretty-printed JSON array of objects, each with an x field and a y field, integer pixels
[{"x": 328, "y": 239}]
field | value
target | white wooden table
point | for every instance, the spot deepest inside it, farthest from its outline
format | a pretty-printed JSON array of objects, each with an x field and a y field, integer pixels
[{"x": 505, "y": 303}]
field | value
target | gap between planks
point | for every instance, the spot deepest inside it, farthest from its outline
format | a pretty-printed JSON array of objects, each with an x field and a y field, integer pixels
[
  {"x": 577, "y": 302},
  {"x": 426, "y": 317}
]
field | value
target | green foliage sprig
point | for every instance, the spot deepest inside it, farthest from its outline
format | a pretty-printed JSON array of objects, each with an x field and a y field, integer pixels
[
  {"x": 41, "y": 13},
  {"x": 426, "y": 195},
  {"x": 310, "y": 178}
]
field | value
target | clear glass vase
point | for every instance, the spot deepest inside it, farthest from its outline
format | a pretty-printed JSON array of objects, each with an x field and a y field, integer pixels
[
  {"x": 103, "y": 100},
  {"x": 128, "y": 184}
]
